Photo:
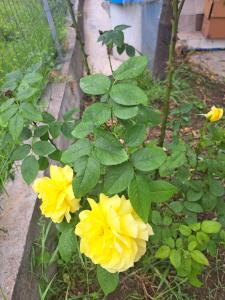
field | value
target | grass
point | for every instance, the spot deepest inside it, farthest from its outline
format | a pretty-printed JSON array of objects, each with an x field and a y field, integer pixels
[{"x": 25, "y": 39}]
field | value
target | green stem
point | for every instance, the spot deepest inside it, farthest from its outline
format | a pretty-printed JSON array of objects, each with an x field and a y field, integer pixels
[
  {"x": 79, "y": 38},
  {"x": 170, "y": 73}
]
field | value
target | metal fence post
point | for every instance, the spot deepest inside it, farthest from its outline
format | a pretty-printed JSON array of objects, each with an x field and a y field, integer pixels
[{"x": 52, "y": 27}]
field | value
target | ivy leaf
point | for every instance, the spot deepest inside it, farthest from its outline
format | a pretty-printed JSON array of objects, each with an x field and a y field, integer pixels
[
  {"x": 131, "y": 68},
  {"x": 97, "y": 84},
  {"x": 139, "y": 195},
  {"x": 128, "y": 94},
  {"x": 148, "y": 159},
  {"x": 16, "y": 126},
  {"x": 67, "y": 244},
  {"x": 88, "y": 179},
  {"x": 76, "y": 150},
  {"x": 118, "y": 178},
  {"x": 107, "y": 281},
  {"x": 199, "y": 257},
  {"x": 43, "y": 148},
  {"x": 29, "y": 169},
  {"x": 107, "y": 148}
]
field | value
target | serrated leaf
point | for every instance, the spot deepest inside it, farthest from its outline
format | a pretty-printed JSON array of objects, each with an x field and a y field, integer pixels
[
  {"x": 21, "y": 152},
  {"x": 29, "y": 169},
  {"x": 128, "y": 94},
  {"x": 124, "y": 112},
  {"x": 199, "y": 257},
  {"x": 135, "y": 135},
  {"x": 131, "y": 68},
  {"x": 139, "y": 195},
  {"x": 185, "y": 230},
  {"x": 108, "y": 281},
  {"x": 16, "y": 126},
  {"x": 87, "y": 180},
  {"x": 97, "y": 84},
  {"x": 97, "y": 113},
  {"x": 76, "y": 150},
  {"x": 67, "y": 244},
  {"x": 108, "y": 149},
  {"x": 43, "y": 148},
  {"x": 163, "y": 252},
  {"x": 118, "y": 178},
  {"x": 148, "y": 159}
]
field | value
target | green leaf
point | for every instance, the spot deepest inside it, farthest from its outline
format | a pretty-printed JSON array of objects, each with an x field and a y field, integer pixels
[
  {"x": 135, "y": 135},
  {"x": 193, "y": 196},
  {"x": 55, "y": 129},
  {"x": 216, "y": 188},
  {"x": 25, "y": 92},
  {"x": 161, "y": 191},
  {"x": 69, "y": 115},
  {"x": 85, "y": 182},
  {"x": 21, "y": 152},
  {"x": 82, "y": 129},
  {"x": 163, "y": 252},
  {"x": 97, "y": 113},
  {"x": 29, "y": 169},
  {"x": 193, "y": 207},
  {"x": 107, "y": 281},
  {"x": 124, "y": 112},
  {"x": 185, "y": 230},
  {"x": 32, "y": 78},
  {"x": 43, "y": 148},
  {"x": 195, "y": 226},
  {"x": 76, "y": 150},
  {"x": 6, "y": 104},
  {"x": 131, "y": 68},
  {"x": 139, "y": 195},
  {"x": 210, "y": 226},
  {"x": 67, "y": 244},
  {"x": 175, "y": 258},
  {"x": 56, "y": 155},
  {"x": 43, "y": 163},
  {"x": 8, "y": 114},
  {"x": 97, "y": 84},
  {"x": 30, "y": 112},
  {"x": 156, "y": 217},
  {"x": 199, "y": 257},
  {"x": 202, "y": 238},
  {"x": 108, "y": 149},
  {"x": 176, "y": 206},
  {"x": 130, "y": 50},
  {"x": 16, "y": 126},
  {"x": 128, "y": 94},
  {"x": 192, "y": 245},
  {"x": 121, "y": 27},
  {"x": 118, "y": 178},
  {"x": 148, "y": 159},
  {"x": 41, "y": 130}
]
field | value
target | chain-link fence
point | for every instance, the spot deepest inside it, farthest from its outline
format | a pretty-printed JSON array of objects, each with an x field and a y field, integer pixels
[{"x": 30, "y": 31}]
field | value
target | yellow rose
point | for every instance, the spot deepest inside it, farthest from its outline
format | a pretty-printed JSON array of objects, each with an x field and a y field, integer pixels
[
  {"x": 112, "y": 234},
  {"x": 215, "y": 114},
  {"x": 57, "y": 195}
]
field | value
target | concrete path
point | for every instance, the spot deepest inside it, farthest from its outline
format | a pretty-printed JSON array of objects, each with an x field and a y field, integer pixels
[{"x": 96, "y": 17}]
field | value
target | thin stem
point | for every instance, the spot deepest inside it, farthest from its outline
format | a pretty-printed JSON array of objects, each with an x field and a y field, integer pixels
[
  {"x": 180, "y": 8},
  {"x": 110, "y": 62},
  {"x": 170, "y": 73},
  {"x": 79, "y": 37}
]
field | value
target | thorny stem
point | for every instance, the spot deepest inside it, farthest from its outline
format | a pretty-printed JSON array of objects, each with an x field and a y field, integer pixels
[
  {"x": 170, "y": 73},
  {"x": 79, "y": 37}
]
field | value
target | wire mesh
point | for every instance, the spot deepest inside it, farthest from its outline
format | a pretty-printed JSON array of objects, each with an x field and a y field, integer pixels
[{"x": 25, "y": 35}]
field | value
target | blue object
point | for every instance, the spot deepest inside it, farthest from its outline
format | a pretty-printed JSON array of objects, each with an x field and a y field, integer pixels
[{"x": 126, "y": 1}]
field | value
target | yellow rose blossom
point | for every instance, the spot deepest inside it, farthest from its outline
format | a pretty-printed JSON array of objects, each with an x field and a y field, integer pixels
[
  {"x": 215, "y": 114},
  {"x": 56, "y": 192},
  {"x": 112, "y": 234}
]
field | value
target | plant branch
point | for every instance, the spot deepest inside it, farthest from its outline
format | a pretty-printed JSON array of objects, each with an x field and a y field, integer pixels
[
  {"x": 170, "y": 73},
  {"x": 79, "y": 37},
  {"x": 180, "y": 8}
]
